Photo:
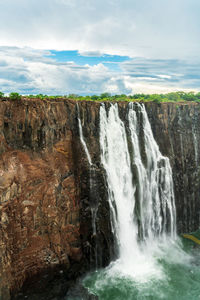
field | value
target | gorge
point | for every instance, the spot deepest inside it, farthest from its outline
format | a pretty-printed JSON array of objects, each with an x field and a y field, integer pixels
[{"x": 62, "y": 181}]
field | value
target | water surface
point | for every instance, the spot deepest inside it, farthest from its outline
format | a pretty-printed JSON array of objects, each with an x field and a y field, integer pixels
[{"x": 176, "y": 276}]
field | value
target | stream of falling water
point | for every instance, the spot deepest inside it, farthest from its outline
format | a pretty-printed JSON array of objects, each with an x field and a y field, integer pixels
[
  {"x": 151, "y": 262},
  {"x": 93, "y": 204},
  {"x": 155, "y": 184},
  {"x": 82, "y": 138},
  {"x": 151, "y": 187}
]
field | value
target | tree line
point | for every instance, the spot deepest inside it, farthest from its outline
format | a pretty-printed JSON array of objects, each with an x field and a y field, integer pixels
[{"x": 158, "y": 98}]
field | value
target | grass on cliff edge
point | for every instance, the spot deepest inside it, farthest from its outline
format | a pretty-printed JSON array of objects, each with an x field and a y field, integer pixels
[{"x": 158, "y": 98}]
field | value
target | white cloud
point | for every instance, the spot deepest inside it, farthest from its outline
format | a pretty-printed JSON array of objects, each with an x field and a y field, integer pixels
[
  {"x": 144, "y": 87},
  {"x": 156, "y": 28},
  {"x": 165, "y": 76},
  {"x": 91, "y": 53},
  {"x": 30, "y": 71},
  {"x": 164, "y": 34},
  {"x": 39, "y": 74}
]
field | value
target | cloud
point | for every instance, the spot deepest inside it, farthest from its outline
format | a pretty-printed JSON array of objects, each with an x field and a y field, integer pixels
[
  {"x": 30, "y": 71},
  {"x": 90, "y": 53},
  {"x": 122, "y": 46},
  {"x": 27, "y": 71},
  {"x": 151, "y": 29},
  {"x": 167, "y": 72}
]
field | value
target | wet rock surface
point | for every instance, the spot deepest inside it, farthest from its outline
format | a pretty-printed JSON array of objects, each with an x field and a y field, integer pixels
[
  {"x": 77, "y": 291},
  {"x": 54, "y": 214},
  {"x": 176, "y": 128}
]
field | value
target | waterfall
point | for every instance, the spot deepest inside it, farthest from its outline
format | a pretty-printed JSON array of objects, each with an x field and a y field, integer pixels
[
  {"x": 141, "y": 202},
  {"x": 155, "y": 185},
  {"x": 92, "y": 177},
  {"x": 116, "y": 161},
  {"x": 195, "y": 144},
  {"x": 82, "y": 138}
]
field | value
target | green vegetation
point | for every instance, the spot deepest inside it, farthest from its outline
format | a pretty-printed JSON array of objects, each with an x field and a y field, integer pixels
[
  {"x": 15, "y": 96},
  {"x": 157, "y": 98}
]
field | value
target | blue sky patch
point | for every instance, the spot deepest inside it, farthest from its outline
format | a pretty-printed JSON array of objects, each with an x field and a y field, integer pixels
[{"x": 110, "y": 61}]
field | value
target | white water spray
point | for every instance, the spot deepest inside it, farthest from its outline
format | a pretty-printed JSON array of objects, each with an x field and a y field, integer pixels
[{"x": 141, "y": 202}]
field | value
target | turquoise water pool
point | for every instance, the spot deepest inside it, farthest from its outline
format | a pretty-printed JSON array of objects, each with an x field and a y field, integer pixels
[{"x": 177, "y": 276}]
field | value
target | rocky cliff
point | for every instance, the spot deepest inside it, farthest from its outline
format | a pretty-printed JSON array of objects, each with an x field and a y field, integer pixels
[
  {"x": 49, "y": 194},
  {"x": 176, "y": 128}
]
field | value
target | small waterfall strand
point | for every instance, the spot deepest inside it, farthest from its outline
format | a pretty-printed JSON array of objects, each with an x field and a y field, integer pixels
[
  {"x": 93, "y": 200},
  {"x": 82, "y": 138}
]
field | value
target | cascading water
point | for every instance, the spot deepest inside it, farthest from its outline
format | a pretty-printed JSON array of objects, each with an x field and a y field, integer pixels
[
  {"x": 116, "y": 161},
  {"x": 195, "y": 144},
  {"x": 155, "y": 185},
  {"x": 151, "y": 262},
  {"x": 151, "y": 187},
  {"x": 82, "y": 138},
  {"x": 93, "y": 204}
]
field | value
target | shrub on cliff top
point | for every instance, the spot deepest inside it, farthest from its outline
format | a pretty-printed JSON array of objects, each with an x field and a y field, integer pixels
[
  {"x": 41, "y": 96},
  {"x": 15, "y": 96},
  {"x": 1, "y": 95}
]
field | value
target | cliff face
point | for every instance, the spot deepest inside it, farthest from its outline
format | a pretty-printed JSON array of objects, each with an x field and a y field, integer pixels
[
  {"x": 176, "y": 129},
  {"x": 49, "y": 194},
  {"x": 40, "y": 226},
  {"x": 45, "y": 216}
]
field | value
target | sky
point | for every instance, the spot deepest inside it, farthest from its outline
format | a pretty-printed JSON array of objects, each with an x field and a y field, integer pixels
[{"x": 94, "y": 46}]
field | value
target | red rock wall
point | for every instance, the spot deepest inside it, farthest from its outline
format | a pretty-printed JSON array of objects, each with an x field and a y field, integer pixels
[{"x": 39, "y": 198}]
